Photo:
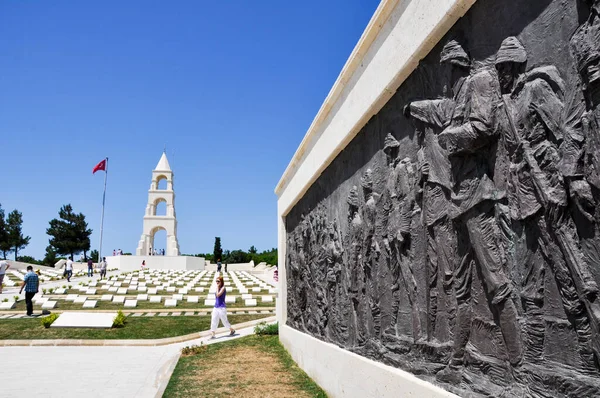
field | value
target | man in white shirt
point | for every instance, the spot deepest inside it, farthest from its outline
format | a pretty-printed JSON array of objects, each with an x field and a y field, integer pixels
[
  {"x": 69, "y": 268},
  {"x": 4, "y": 265}
]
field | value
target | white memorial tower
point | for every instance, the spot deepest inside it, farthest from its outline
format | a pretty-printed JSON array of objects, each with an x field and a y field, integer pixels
[{"x": 154, "y": 222}]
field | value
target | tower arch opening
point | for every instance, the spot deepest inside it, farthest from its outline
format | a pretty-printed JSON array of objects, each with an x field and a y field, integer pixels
[
  {"x": 162, "y": 183},
  {"x": 160, "y": 207},
  {"x": 158, "y": 240}
]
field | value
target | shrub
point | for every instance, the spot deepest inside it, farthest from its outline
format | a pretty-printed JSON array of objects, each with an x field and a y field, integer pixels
[
  {"x": 16, "y": 298},
  {"x": 48, "y": 320},
  {"x": 120, "y": 320},
  {"x": 70, "y": 286},
  {"x": 267, "y": 329},
  {"x": 193, "y": 350},
  {"x": 44, "y": 290},
  {"x": 64, "y": 286},
  {"x": 51, "y": 290},
  {"x": 5, "y": 300}
]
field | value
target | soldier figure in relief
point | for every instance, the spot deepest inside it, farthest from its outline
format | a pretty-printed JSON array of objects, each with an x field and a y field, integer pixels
[
  {"x": 433, "y": 194},
  {"x": 372, "y": 252},
  {"x": 471, "y": 141},
  {"x": 529, "y": 121},
  {"x": 356, "y": 233},
  {"x": 398, "y": 209}
]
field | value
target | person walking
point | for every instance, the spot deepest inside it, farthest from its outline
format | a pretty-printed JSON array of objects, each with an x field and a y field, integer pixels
[
  {"x": 225, "y": 267},
  {"x": 90, "y": 265},
  {"x": 219, "y": 265},
  {"x": 143, "y": 265},
  {"x": 102, "y": 268},
  {"x": 69, "y": 268},
  {"x": 4, "y": 265},
  {"x": 114, "y": 252},
  {"x": 31, "y": 283},
  {"x": 220, "y": 310}
]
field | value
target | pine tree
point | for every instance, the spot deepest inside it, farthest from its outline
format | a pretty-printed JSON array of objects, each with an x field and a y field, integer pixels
[
  {"x": 70, "y": 234},
  {"x": 14, "y": 228},
  {"x": 218, "y": 252}
]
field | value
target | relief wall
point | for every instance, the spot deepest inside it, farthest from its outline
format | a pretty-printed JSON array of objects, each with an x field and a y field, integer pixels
[{"x": 457, "y": 236}]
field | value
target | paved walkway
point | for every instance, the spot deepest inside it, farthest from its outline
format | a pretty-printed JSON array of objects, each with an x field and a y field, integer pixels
[{"x": 76, "y": 371}]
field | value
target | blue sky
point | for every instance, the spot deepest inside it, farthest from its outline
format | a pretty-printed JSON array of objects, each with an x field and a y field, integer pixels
[{"x": 230, "y": 87}]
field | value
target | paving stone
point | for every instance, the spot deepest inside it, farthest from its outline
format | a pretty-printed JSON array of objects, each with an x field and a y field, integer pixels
[
  {"x": 137, "y": 314},
  {"x": 176, "y": 313},
  {"x": 150, "y": 314},
  {"x": 189, "y": 313},
  {"x": 163, "y": 314}
]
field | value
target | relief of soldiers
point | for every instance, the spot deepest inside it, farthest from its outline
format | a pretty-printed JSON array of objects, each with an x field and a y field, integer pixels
[
  {"x": 335, "y": 287},
  {"x": 372, "y": 253},
  {"x": 471, "y": 141},
  {"x": 529, "y": 121},
  {"x": 356, "y": 234},
  {"x": 433, "y": 195},
  {"x": 296, "y": 293},
  {"x": 398, "y": 209}
]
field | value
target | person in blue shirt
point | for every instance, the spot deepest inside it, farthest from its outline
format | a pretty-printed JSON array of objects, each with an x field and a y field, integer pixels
[{"x": 31, "y": 284}]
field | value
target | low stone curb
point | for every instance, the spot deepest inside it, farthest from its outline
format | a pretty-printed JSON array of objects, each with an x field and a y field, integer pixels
[
  {"x": 145, "y": 343},
  {"x": 133, "y": 311}
]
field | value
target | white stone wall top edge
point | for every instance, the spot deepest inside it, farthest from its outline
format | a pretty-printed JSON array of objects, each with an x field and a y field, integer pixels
[{"x": 404, "y": 32}]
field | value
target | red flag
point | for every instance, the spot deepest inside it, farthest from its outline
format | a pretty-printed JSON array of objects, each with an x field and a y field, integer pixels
[{"x": 100, "y": 166}]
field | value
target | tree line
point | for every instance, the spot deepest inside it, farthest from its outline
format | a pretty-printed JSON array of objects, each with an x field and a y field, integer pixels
[
  {"x": 69, "y": 236},
  {"x": 240, "y": 256}
]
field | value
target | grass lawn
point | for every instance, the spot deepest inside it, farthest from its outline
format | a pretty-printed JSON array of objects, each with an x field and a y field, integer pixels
[
  {"x": 253, "y": 366},
  {"x": 136, "y": 328}
]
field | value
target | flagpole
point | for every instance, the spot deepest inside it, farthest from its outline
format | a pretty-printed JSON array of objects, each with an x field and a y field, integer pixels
[{"x": 102, "y": 219}]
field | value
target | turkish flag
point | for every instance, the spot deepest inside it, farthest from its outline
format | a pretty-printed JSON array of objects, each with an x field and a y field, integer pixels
[{"x": 100, "y": 166}]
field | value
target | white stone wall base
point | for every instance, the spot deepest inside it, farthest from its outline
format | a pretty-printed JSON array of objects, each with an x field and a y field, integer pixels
[
  {"x": 342, "y": 373},
  {"x": 133, "y": 263}
]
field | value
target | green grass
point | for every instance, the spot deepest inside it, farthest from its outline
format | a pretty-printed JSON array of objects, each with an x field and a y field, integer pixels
[
  {"x": 135, "y": 328},
  {"x": 188, "y": 378}
]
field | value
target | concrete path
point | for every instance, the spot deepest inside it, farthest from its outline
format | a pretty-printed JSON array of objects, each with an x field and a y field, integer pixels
[{"x": 93, "y": 371}]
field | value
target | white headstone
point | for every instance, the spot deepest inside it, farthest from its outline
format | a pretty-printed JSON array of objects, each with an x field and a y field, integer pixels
[
  {"x": 130, "y": 303},
  {"x": 209, "y": 302},
  {"x": 250, "y": 302},
  {"x": 192, "y": 299},
  {"x": 267, "y": 299},
  {"x": 48, "y": 305},
  {"x": 80, "y": 300},
  {"x": 90, "y": 304},
  {"x": 170, "y": 303},
  {"x": 106, "y": 297},
  {"x": 118, "y": 299},
  {"x": 155, "y": 299},
  {"x": 246, "y": 296}
]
